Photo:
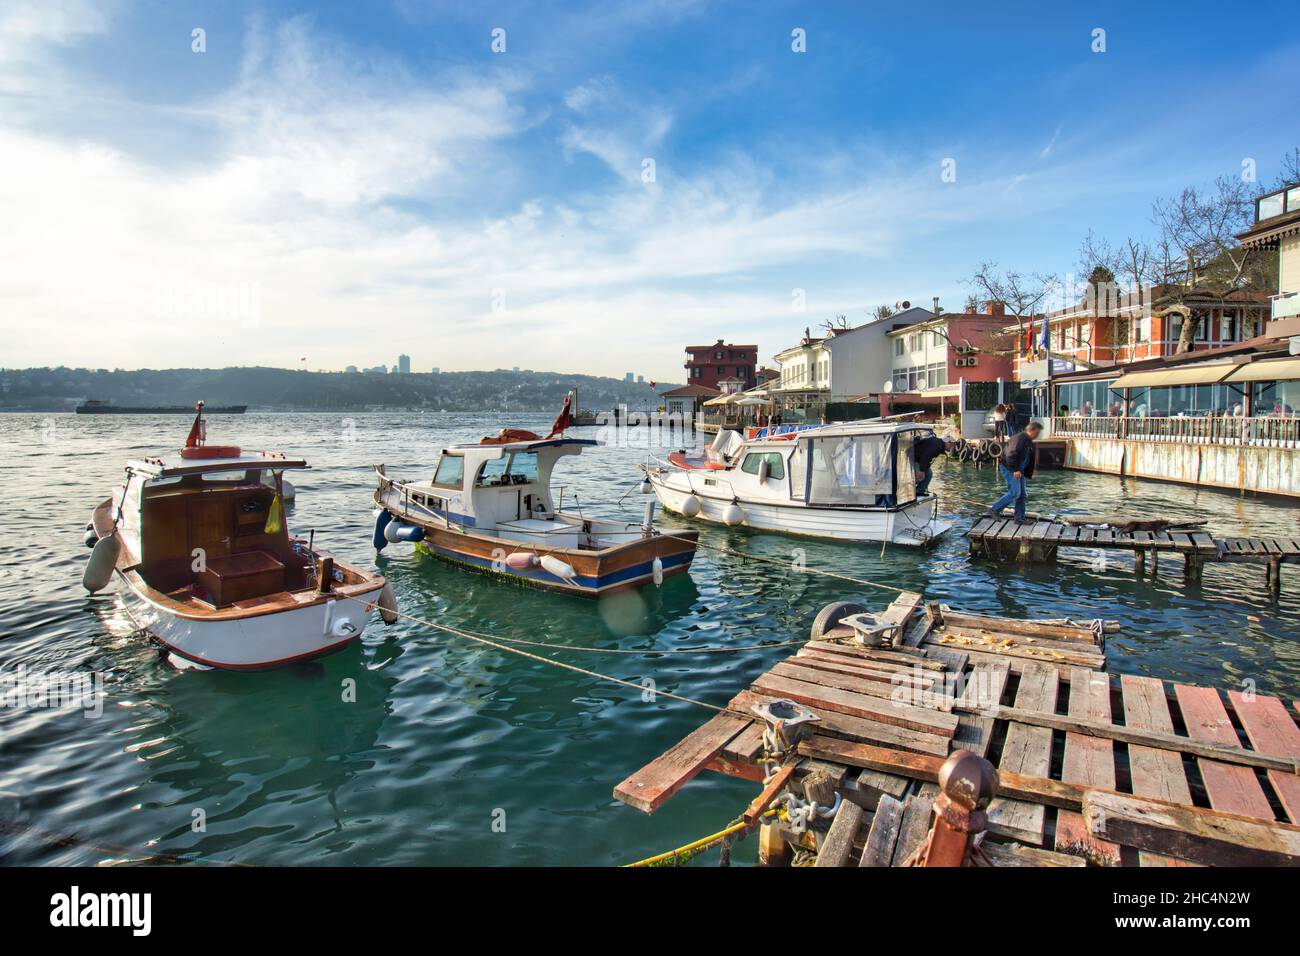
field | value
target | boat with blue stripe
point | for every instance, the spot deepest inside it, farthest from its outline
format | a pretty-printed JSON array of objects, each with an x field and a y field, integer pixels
[{"x": 490, "y": 507}]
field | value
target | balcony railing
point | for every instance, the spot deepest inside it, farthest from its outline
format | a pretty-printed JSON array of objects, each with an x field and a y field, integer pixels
[
  {"x": 1273, "y": 431},
  {"x": 1286, "y": 305}
]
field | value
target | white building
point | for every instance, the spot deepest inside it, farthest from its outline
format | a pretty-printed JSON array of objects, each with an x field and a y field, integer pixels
[{"x": 844, "y": 365}]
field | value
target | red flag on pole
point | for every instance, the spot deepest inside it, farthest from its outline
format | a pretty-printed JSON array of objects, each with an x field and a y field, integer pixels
[
  {"x": 196, "y": 430},
  {"x": 564, "y": 419}
]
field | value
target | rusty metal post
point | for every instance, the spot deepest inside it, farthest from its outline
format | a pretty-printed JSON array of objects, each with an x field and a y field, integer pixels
[{"x": 967, "y": 782}]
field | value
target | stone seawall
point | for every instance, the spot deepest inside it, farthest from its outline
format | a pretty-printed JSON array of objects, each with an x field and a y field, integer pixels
[{"x": 1237, "y": 467}]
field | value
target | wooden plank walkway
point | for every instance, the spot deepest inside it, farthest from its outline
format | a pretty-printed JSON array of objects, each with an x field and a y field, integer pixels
[
  {"x": 1060, "y": 734},
  {"x": 1038, "y": 539}
]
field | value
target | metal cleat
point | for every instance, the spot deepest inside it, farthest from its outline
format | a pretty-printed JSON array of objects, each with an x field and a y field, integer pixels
[{"x": 872, "y": 632}]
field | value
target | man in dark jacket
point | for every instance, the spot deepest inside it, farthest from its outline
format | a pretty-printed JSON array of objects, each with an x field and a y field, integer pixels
[
  {"x": 1016, "y": 466},
  {"x": 926, "y": 451}
]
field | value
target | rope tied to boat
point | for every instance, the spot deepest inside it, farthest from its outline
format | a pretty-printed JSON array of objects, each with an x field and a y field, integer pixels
[
  {"x": 785, "y": 564},
  {"x": 501, "y": 646}
]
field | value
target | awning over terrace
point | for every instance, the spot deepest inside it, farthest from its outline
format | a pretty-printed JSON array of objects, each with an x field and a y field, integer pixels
[
  {"x": 1278, "y": 370},
  {"x": 1190, "y": 375}
]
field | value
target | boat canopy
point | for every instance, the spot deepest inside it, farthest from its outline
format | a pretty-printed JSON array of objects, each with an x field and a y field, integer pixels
[{"x": 166, "y": 467}]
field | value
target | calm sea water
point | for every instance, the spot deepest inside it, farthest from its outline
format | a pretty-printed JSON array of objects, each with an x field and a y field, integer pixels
[{"x": 447, "y": 741}]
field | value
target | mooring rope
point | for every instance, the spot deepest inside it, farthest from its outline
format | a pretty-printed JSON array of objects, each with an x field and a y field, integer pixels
[
  {"x": 785, "y": 564},
  {"x": 671, "y": 650},
  {"x": 499, "y": 645},
  {"x": 684, "y": 854}
]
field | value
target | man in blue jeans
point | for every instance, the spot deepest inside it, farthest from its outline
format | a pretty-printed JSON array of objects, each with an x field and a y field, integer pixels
[{"x": 1016, "y": 466}]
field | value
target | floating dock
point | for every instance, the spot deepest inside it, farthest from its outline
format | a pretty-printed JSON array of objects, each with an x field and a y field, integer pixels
[
  {"x": 1038, "y": 539},
  {"x": 883, "y": 716}
]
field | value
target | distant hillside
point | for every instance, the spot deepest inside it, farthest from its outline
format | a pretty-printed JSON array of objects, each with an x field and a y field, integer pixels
[{"x": 60, "y": 389}]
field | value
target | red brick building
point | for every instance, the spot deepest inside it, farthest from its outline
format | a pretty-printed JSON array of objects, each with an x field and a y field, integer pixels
[
  {"x": 1133, "y": 327},
  {"x": 708, "y": 365}
]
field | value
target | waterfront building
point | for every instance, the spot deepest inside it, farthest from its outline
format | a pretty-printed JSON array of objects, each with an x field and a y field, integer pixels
[
  {"x": 707, "y": 365},
  {"x": 403, "y": 365},
  {"x": 931, "y": 358},
  {"x": 1277, "y": 230},
  {"x": 1227, "y": 418},
  {"x": 841, "y": 366},
  {"x": 1116, "y": 327},
  {"x": 684, "y": 402}
]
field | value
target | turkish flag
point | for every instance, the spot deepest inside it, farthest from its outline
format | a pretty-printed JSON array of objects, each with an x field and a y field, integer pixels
[
  {"x": 197, "y": 430},
  {"x": 564, "y": 419}
]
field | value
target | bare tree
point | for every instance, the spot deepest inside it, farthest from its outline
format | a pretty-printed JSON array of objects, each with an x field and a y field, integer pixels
[
  {"x": 1097, "y": 253},
  {"x": 836, "y": 325},
  {"x": 1289, "y": 171},
  {"x": 1202, "y": 224},
  {"x": 1022, "y": 293}
]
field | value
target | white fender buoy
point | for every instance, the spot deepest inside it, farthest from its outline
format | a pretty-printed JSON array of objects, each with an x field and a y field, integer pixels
[
  {"x": 103, "y": 559},
  {"x": 733, "y": 514},
  {"x": 390, "y": 531},
  {"x": 657, "y": 570},
  {"x": 387, "y": 604},
  {"x": 691, "y": 506},
  {"x": 560, "y": 569},
  {"x": 646, "y": 487},
  {"x": 287, "y": 491},
  {"x": 521, "y": 560}
]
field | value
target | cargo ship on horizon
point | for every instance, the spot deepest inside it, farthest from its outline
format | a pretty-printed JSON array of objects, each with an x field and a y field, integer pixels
[{"x": 98, "y": 407}]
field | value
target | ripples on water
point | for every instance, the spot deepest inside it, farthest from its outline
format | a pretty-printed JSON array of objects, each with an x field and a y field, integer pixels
[{"x": 447, "y": 737}]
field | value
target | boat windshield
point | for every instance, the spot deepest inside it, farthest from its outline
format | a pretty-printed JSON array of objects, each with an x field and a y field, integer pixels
[
  {"x": 518, "y": 468},
  {"x": 851, "y": 469},
  {"x": 451, "y": 470}
]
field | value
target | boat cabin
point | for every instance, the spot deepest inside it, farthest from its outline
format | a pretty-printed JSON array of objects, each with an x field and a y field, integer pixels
[
  {"x": 200, "y": 530},
  {"x": 504, "y": 489},
  {"x": 853, "y": 465}
]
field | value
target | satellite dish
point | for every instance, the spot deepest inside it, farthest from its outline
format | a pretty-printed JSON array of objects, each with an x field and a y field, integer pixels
[
  {"x": 906, "y": 304},
  {"x": 889, "y": 386}
]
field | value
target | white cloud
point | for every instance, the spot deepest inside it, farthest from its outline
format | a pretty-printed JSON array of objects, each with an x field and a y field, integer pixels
[{"x": 371, "y": 211}]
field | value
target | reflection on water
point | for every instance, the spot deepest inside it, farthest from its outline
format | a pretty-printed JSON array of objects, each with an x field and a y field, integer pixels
[{"x": 407, "y": 748}]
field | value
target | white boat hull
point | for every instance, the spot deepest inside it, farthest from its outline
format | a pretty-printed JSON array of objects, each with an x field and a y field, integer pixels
[
  {"x": 915, "y": 524},
  {"x": 255, "y": 642}
]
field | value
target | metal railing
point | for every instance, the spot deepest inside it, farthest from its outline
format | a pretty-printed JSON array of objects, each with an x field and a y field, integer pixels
[{"x": 1272, "y": 431}]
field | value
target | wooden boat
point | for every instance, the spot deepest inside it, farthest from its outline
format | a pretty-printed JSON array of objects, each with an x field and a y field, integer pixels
[
  {"x": 201, "y": 544},
  {"x": 489, "y": 507},
  {"x": 851, "y": 482}
]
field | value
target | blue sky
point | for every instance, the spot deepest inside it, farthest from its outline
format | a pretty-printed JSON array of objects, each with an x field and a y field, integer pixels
[{"x": 333, "y": 184}]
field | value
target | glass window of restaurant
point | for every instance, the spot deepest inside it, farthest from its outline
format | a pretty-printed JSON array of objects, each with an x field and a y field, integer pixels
[
  {"x": 1171, "y": 401},
  {"x": 1277, "y": 398},
  {"x": 1089, "y": 399}
]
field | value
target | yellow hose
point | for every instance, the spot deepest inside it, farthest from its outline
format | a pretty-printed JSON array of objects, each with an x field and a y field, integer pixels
[{"x": 691, "y": 849}]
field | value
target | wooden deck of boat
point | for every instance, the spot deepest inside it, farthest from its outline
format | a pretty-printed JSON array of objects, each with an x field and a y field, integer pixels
[
  {"x": 1092, "y": 769},
  {"x": 1038, "y": 540}
]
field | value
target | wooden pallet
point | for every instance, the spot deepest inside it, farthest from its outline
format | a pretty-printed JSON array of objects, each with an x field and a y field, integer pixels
[{"x": 1058, "y": 730}]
